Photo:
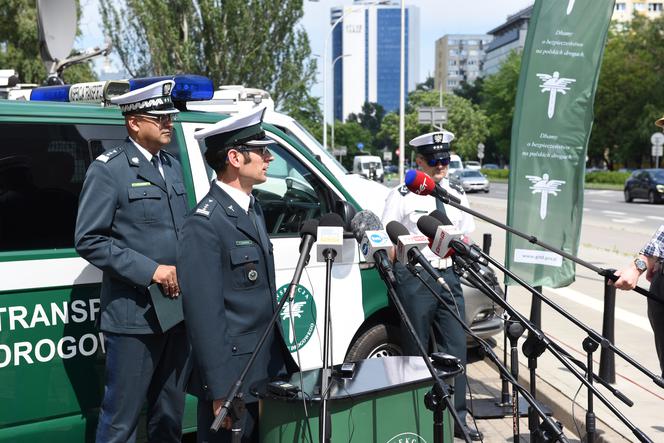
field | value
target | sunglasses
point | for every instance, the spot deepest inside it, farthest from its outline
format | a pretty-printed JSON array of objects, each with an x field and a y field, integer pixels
[
  {"x": 260, "y": 150},
  {"x": 161, "y": 119},
  {"x": 434, "y": 161}
]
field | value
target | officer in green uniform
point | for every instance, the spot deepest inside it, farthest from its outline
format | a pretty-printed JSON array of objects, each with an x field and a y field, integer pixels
[
  {"x": 433, "y": 158},
  {"x": 131, "y": 208},
  {"x": 226, "y": 268}
]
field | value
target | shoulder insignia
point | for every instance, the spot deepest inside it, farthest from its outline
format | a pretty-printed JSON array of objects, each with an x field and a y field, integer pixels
[
  {"x": 106, "y": 156},
  {"x": 403, "y": 190},
  {"x": 457, "y": 187},
  {"x": 205, "y": 208}
]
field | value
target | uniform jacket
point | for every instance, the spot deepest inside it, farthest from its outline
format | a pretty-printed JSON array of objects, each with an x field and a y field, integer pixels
[
  {"x": 128, "y": 222},
  {"x": 226, "y": 271}
]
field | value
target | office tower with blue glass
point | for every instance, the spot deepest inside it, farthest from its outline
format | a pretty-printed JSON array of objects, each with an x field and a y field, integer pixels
[{"x": 369, "y": 38}]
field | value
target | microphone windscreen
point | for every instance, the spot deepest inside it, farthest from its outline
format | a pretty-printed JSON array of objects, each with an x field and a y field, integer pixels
[
  {"x": 364, "y": 221},
  {"x": 309, "y": 227},
  {"x": 440, "y": 216},
  {"x": 394, "y": 230},
  {"x": 428, "y": 225},
  {"x": 419, "y": 182},
  {"x": 331, "y": 219}
]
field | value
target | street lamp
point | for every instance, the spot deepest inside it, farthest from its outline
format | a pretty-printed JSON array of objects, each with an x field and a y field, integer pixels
[{"x": 333, "y": 62}]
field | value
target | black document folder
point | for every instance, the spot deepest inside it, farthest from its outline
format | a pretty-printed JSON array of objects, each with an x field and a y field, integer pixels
[{"x": 168, "y": 310}]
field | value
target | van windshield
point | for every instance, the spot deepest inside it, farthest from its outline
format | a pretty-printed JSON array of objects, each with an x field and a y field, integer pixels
[
  {"x": 455, "y": 165},
  {"x": 323, "y": 150}
]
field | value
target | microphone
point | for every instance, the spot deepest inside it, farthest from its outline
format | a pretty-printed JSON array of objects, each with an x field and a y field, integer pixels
[
  {"x": 446, "y": 239},
  {"x": 406, "y": 242},
  {"x": 441, "y": 235},
  {"x": 374, "y": 242},
  {"x": 330, "y": 235},
  {"x": 422, "y": 184},
  {"x": 308, "y": 233}
]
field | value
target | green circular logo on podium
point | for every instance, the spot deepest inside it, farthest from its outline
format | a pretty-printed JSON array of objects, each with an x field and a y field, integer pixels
[
  {"x": 407, "y": 437},
  {"x": 302, "y": 309}
]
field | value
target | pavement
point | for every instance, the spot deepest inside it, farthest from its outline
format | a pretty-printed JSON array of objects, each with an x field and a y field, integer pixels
[{"x": 557, "y": 387}]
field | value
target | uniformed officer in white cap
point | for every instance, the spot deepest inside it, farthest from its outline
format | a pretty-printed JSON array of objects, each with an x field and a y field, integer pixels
[
  {"x": 433, "y": 158},
  {"x": 226, "y": 269},
  {"x": 131, "y": 209}
]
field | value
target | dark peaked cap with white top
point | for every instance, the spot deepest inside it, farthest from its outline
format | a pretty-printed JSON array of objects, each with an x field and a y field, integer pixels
[
  {"x": 241, "y": 129},
  {"x": 154, "y": 99}
]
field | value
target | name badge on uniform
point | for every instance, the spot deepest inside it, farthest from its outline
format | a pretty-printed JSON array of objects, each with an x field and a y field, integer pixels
[
  {"x": 139, "y": 184},
  {"x": 244, "y": 243}
]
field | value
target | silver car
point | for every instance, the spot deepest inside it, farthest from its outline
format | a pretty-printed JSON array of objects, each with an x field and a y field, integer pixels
[{"x": 471, "y": 180}]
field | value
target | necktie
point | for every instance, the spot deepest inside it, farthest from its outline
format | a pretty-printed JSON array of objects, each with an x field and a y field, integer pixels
[
  {"x": 155, "y": 163},
  {"x": 251, "y": 212},
  {"x": 440, "y": 206}
]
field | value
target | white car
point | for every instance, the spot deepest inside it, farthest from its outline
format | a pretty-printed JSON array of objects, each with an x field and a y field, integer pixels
[{"x": 473, "y": 165}]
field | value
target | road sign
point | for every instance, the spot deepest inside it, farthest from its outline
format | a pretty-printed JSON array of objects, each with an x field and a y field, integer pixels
[
  {"x": 657, "y": 139},
  {"x": 387, "y": 156},
  {"x": 657, "y": 150},
  {"x": 339, "y": 151},
  {"x": 432, "y": 116},
  {"x": 480, "y": 151},
  {"x": 360, "y": 146}
]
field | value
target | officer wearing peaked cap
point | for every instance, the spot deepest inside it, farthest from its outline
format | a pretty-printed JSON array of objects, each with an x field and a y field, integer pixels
[
  {"x": 131, "y": 209},
  {"x": 227, "y": 274},
  {"x": 433, "y": 158}
]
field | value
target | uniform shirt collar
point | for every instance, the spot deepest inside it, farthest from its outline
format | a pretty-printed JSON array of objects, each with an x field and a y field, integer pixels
[
  {"x": 143, "y": 151},
  {"x": 237, "y": 195}
]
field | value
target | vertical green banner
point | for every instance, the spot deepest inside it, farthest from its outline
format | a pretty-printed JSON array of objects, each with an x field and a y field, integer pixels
[{"x": 550, "y": 131}]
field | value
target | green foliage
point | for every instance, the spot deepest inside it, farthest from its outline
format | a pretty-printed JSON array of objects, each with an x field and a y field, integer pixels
[
  {"x": 257, "y": 43},
  {"x": 471, "y": 91},
  {"x": 349, "y": 134},
  {"x": 630, "y": 94},
  {"x": 19, "y": 45},
  {"x": 498, "y": 99},
  {"x": 611, "y": 177}
]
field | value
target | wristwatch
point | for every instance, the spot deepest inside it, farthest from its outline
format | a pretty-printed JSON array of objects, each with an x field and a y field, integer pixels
[{"x": 641, "y": 265}]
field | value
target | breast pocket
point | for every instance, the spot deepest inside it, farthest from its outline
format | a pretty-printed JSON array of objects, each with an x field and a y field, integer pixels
[
  {"x": 245, "y": 267},
  {"x": 145, "y": 203},
  {"x": 179, "y": 196}
]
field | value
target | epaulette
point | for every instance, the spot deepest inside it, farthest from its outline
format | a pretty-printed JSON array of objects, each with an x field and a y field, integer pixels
[
  {"x": 205, "y": 208},
  {"x": 403, "y": 190},
  {"x": 457, "y": 187},
  {"x": 106, "y": 156}
]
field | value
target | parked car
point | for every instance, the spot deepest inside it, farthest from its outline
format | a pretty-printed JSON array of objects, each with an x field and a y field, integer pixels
[
  {"x": 473, "y": 165},
  {"x": 391, "y": 169},
  {"x": 645, "y": 183},
  {"x": 472, "y": 180},
  {"x": 490, "y": 166},
  {"x": 455, "y": 164}
]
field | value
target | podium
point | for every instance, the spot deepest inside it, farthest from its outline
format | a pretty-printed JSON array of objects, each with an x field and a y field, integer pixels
[{"x": 382, "y": 402}]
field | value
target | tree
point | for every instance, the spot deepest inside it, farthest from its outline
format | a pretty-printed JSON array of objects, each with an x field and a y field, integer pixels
[
  {"x": 465, "y": 120},
  {"x": 349, "y": 134},
  {"x": 19, "y": 45},
  {"x": 630, "y": 93},
  {"x": 370, "y": 118},
  {"x": 471, "y": 91},
  {"x": 498, "y": 100},
  {"x": 251, "y": 42}
]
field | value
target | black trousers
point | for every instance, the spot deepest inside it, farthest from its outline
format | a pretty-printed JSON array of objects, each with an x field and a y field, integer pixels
[
  {"x": 139, "y": 369},
  {"x": 249, "y": 425},
  {"x": 427, "y": 315},
  {"x": 656, "y": 314}
]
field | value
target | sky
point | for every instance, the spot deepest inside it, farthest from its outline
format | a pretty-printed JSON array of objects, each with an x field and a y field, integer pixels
[{"x": 437, "y": 18}]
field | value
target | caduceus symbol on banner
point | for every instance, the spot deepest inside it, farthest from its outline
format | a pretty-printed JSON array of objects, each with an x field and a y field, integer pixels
[
  {"x": 296, "y": 309},
  {"x": 554, "y": 84},
  {"x": 544, "y": 186}
]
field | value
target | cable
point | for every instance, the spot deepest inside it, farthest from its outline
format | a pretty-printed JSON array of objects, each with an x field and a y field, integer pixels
[{"x": 576, "y": 425}]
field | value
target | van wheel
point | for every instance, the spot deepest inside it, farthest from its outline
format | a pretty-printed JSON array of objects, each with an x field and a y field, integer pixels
[
  {"x": 380, "y": 340},
  {"x": 652, "y": 199},
  {"x": 628, "y": 196}
]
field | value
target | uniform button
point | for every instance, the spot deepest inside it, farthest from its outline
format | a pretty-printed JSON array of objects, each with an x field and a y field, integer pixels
[
  {"x": 246, "y": 257},
  {"x": 234, "y": 348},
  {"x": 145, "y": 193},
  {"x": 205, "y": 387}
]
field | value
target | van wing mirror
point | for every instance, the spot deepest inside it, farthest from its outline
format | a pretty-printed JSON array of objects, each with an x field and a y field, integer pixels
[{"x": 346, "y": 211}]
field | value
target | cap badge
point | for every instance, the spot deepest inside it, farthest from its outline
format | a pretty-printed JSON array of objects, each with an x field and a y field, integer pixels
[
  {"x": 167, "y": 88},
  {"x": 438, "y": 138}
]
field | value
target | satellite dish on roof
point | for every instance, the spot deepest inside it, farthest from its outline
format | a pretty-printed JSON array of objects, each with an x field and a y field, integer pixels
[{"x": 57, "y": 30}]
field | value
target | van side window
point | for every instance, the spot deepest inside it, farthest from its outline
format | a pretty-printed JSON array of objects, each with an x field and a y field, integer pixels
[
  {"x": 42, "y": 168},
  {"x": 291, "y": 194}
]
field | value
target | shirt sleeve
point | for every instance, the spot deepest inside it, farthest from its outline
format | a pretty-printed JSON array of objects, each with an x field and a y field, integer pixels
[
  {"x": 655, "y": 247},
  {"x": 392, "y": 210}
]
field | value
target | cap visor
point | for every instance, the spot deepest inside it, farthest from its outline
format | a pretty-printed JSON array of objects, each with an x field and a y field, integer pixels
[
  {"x": 163, "y": 111},
  {"x": 259, "y": 142}
]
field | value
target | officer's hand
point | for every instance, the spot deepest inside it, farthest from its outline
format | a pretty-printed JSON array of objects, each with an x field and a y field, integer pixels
[
  {"x": 166, "y": 276},
  {"x": 629, "y": 277},
  {"x": 216, "y": 410}
]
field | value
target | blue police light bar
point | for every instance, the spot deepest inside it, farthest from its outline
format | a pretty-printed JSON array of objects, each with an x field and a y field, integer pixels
[
  {"x": 50, "y": 94},
  {"x": 187, "y": 87}
]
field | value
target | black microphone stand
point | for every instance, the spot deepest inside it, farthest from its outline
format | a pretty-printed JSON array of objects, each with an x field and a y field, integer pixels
[
  {"x": 516, "y": 332},
  {"x": 324, "y": 420},
  {"x": 608, "y": 273},
  {"x": 540, "y": 341},
  {"x": 438, "y": 399},
  {"x": 234, "y": 405}
]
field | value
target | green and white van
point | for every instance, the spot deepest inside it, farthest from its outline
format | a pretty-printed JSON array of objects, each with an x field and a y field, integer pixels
[{"x": 51, "y": 354}]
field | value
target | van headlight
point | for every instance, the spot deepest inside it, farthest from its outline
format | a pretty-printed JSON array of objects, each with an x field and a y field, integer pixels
[{"x": 660, "y": 188}]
